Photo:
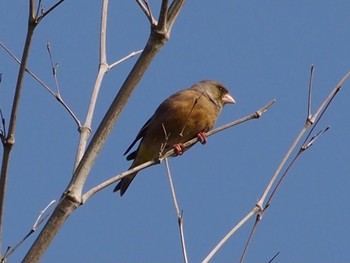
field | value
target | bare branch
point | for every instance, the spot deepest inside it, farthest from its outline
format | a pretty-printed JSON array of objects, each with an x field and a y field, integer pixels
[
  {"x": 255, "y": 115},
  {"x": 310, "y": 93},
  {"x": 163, "y": 16},
  {"x": 3, "y": 122},
  {"x": 103, "y": 69},
  {"x": 72, "y": 197},
  {"x": 144, "y": 5},
  {"x": 169, "y": 153},
  {"x": 32, "y": 14},
  {"x": 331, "y": 95},
  {"x": 258, "y": 207},
  {"x": 53, "y": 66},
  {"x": 37, "y": 223},
  {"x": 48, "y": 11},
  {"x": 46, "y": 87},
  {"x": 257, "y": 219},
  {"x": 229, "y": 234},
  {"x": 189, "y": 114},
  {"x": 174, "y": 11},
  {"x": 273, "y": 258},
  {"x": 306, "y": 144},
  {"x": 132, "y": 54},
  {"x": 178, "y": 213},
  {"x": 57, "y": 96},
  {"x": 103, "y": 32},
  {"x": 309, "y": 122},
  {"x": 9, "y": 141}
]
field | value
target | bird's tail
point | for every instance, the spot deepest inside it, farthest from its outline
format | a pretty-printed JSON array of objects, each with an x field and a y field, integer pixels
[{"x": 124, "y": 183}]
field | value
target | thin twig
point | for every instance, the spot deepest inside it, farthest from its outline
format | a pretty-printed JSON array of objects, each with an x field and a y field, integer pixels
[
  {"x": 39, "y": 7},
  {"x": 258, "y": 207},
  {"x": 45, "y": 86},
  {"x": 310, "y": 92},
  {"x": 37, "y": 223},
  {"x": 257, "y": 219},
  {"x": 173, "y": 12},
  {"x": 3, "y": 123},
  {"x": 273, "y": 258},
  {"x": 41, "y": 17},
  {"x": 53, "y": 67},
  {"x": 229, "y": 234},
  {"x": 132, "y": 54},
  {"x": 116, "y": 178},
  {"x": 178, "y": 213},
  {"x": 255, "y": 115},
  {"x": 305, "y": 145},
  {"x": 144, "y": 5},
  {"x": 189, "y": 114}
]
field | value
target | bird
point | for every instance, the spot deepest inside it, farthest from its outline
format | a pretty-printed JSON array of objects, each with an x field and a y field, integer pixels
[{"x": 186, "y": 114}]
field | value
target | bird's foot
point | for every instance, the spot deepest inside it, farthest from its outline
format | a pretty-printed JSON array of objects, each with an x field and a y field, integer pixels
[
  {"x": 202, "y": 137},
  {"x": 178, "y": 148}
]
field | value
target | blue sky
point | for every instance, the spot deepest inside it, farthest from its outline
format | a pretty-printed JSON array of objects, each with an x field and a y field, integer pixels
[{"x": 260, "y": 50}]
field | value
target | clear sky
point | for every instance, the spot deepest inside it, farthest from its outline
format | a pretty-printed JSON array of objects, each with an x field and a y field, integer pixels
[{"x": 260, "y": 50}]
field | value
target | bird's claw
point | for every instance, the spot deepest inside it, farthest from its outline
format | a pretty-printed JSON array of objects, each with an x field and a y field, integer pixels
[
  {"x": 202, "y": 137},
  {"x": 178, "y": 148}
]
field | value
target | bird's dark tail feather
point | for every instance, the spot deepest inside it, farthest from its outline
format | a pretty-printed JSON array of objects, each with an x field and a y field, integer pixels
[{"x": 124, "y": 183}]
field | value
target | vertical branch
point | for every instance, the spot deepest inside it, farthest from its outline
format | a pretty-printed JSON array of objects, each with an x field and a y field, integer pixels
[
  {"x": 229, "y": 234},
  {"x": 9, "y": 141},
  {"x": 162, "y": 20},
  {"x": 178, "y": 213},
  {"x": 309, "y": 108},
  {"x": 103, "y": 68}
]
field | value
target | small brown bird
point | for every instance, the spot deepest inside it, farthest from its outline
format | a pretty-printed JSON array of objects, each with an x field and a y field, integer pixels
[{"x": 184, "y": 115}]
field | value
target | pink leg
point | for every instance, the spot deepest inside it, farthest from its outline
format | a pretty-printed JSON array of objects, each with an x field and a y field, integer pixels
[
  {"x": 202, "y": 137},
  {"x": 178, "y": 148}
]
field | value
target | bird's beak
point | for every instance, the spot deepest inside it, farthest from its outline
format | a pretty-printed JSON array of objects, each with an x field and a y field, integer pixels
[{"x": 227, "y": 99}]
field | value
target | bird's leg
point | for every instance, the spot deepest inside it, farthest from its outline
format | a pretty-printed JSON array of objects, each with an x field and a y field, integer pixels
[
  {"x": 178, "y": 148},
  {"x": 202, "y": 137}
]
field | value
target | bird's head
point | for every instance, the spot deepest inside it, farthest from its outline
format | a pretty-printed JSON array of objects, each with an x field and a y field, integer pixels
[{"x": 215, "y": 91}]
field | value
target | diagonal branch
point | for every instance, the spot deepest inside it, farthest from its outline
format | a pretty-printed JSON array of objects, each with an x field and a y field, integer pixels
[
  {"x": 40, "y": 219},
  {"x": 259, "y": 208},
  {"x": 171, "y": 152},
  {"x": 321, "y": 108},
  {"x": 144, "y": 5},
  {"x": 57, "y": 96},
  {"x": 131, "y": 55},
  {"x": 41, "y": 17},
  {"x": 174, "y": 11}
]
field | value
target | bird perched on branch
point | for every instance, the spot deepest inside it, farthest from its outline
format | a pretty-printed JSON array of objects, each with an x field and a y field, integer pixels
[{"x": 181, "y": 117}]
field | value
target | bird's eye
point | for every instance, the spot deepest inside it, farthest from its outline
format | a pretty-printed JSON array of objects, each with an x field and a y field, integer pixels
[{"x": 220, "y": 88}]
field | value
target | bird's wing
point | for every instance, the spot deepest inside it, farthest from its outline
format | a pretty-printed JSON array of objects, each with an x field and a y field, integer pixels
[{"x": 139, "y": 136}]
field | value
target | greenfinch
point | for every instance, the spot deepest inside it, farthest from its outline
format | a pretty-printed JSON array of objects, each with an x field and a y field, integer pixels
[{"x": 181, "y": 117}]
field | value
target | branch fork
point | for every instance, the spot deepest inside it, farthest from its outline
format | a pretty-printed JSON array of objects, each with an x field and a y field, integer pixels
[{"x": 261, "y": 206}]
